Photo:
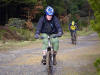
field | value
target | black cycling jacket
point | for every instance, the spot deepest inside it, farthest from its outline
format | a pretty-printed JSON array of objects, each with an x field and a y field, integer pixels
[{"x": 49, "y": 27}]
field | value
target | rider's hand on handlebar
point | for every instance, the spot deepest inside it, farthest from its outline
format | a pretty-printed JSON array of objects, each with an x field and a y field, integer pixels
[
  {"x": 59, "y": 34},
  {"x": 41, "y": 37},
  {"x": 37, "y": 36},
  {"x": 53, "y": 36}
]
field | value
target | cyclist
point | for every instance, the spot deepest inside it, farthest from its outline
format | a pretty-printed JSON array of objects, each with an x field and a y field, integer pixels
[
  {"x": 49, "y": 24},
  {"x": 73, "y": 27}
]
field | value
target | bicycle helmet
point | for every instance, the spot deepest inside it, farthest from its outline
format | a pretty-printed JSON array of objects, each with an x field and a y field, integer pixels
[
  {"x": 49, "y": 10},
  {"x": 73, "y": 22}
]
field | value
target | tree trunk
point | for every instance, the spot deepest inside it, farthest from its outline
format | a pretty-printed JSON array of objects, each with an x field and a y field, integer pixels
[{"x": 6, "y": 14}]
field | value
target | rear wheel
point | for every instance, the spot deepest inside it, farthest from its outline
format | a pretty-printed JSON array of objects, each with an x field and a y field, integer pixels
[{"x": 74, "y": 38}]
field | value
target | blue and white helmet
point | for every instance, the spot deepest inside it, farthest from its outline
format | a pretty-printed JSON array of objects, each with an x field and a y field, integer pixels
[{"x": 49, "y": 10}]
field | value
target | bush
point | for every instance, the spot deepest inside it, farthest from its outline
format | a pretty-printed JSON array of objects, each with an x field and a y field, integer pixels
[
  {"x": 97, "y": 65},
  {"x": 65, "y": 27},
  {"x": 96, "y": 26},
  {"x": 1, "y": 33},
  {"x": 82, "y": 23},
  {"x": 16, "y": 22},
  {"x": 24, "y": 33},
  {"x": 96, "y": 8}
]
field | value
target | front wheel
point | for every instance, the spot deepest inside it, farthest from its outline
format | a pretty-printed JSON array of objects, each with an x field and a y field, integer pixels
[{"x": 48, "y": 61}]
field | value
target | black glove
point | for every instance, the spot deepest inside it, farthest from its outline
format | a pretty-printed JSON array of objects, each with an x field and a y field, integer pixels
[
  {"x": 37, "y": 36},
  {"x": 59, "y": 34},
  {"x": 42, "y": 37}
]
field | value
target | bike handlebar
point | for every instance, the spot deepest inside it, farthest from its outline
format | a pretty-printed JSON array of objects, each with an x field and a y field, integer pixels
[{"x": 49, "y": 36}]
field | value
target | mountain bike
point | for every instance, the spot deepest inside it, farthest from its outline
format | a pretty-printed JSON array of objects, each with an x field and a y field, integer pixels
[{"x": 74, "y": 38}]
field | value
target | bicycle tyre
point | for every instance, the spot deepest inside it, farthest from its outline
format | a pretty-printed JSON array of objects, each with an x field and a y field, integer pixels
[
  {"x": 49, "y": 63},
  {"x": 74, "y": 38}
]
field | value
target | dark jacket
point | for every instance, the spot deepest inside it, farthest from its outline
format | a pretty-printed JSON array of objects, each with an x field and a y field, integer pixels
[{"x": 49, "y": 27}]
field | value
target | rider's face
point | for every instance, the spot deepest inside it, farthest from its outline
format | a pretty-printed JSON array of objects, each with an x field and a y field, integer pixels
[{"x": 49, "y": 17}]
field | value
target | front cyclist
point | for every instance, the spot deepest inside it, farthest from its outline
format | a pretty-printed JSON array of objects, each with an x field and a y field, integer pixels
[{"x": 49, "y": 24}]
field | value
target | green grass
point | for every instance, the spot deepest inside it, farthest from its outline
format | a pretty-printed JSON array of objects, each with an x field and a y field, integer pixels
[
  {"x": 11, "y": 44},
  {"x": 79, "y": 33},
  {"x": 85, "y": 32},
  {"x": 14, "y": 45}
]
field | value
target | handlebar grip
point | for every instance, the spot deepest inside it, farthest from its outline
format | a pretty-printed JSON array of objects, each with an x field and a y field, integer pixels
[{"x": 41, "y": 37}]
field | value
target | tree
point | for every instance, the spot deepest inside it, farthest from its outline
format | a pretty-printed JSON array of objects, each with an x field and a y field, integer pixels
[
  {"x": 5, "y": 2},
  {"x": 9, "y": 8},
  {"x": 95, "y": 4},
  {"x": 74, "y": 7},
  {"x": 59, "y": 6}
]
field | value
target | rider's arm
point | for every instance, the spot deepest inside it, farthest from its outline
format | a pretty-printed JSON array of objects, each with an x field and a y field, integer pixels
[
  {"x": 57, "y": 24},
  {"x": 77, "y": 28},
  {"x": 39, "y": 25},
  {"x": 69, "y": 26}
]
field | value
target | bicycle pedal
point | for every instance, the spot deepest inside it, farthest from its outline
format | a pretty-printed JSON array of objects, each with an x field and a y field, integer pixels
[{"x": 43, "y": 62}]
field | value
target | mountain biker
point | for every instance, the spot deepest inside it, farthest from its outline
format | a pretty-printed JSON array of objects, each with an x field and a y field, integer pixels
[
  {"x": 73, "y": 27},
  {"x": 49, "y": 24}
]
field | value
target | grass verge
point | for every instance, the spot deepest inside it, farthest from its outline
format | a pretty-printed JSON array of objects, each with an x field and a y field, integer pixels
[
  {"x": 84, "y": 32},
  {"x": 12, "y": 44}
]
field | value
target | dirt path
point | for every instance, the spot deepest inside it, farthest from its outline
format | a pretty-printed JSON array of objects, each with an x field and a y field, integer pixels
[{"x": 72, "y": 60}]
